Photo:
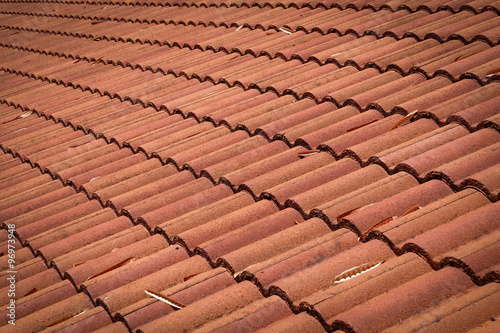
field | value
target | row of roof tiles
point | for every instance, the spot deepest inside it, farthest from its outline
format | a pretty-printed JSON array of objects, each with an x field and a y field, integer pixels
[
  {"x": 232, "y": 245},
  {"x": 422, "y": 24},
  {"x": 144, "y": 102},
  {"x": 475, "y": 6},
  {"x": 71, "y": 241},
  {"x": 275, "y": 77},
  {"x": 249, "y": 228},
  {"x": 464, "y": 26},
  {"x": 452, "y": 59},
  {"x": 253, "y": 245},
  {"x": 339, "y": 138}
]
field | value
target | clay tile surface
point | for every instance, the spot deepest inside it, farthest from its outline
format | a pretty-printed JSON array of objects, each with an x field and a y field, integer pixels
[{"x": 253, "y": 166}]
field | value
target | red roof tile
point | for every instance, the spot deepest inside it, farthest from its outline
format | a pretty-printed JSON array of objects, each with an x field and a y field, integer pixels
[{"x": 263, "y": 166}]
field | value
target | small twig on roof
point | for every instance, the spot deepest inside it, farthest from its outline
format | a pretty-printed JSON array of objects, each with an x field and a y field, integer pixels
[{"x": 160, "y": 297}]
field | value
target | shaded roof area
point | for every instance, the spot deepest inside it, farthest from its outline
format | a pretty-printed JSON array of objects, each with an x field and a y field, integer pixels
[{"x": 278, "y": 166}]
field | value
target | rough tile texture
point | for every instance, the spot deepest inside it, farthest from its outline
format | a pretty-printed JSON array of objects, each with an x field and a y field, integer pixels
[{"x": 223, "y": 166}]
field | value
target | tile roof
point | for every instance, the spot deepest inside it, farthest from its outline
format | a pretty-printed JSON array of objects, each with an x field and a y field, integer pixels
[{"x": 262, "y": 165}]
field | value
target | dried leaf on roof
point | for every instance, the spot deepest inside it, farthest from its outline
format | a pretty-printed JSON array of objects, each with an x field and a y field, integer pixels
[
  {"x": 67, "y": 317},
  {"x": 75, "y": 146},
  {"x": 131, "y": 138},
  {"x": 285, "y": 30},
  {"x": 411, "y": 210},
  {"x": 358, "y": 127},
  {"x": 96, "y": 61},
  {"x": 381, "y": 223},
  {"x": 32, "y": 291},
  {"x": 349, "y": 212},
  {"x": 24, "y": 115},
  {"x": 355, "y": 271},
  {"x": 76, "y": 264},
  {"x": 404, "y": 121},
  {"x": 190, "y": 277},
  {"x": 308, "y": 152},
  {"x": 493, "y": 72},
  {"x": 243, "y": 270},
  {"x": 387, "y": 220},
  {"x": 160, "y": 297}
]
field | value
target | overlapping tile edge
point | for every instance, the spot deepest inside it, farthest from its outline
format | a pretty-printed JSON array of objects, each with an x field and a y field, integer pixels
[{"x": 108, "y": 141}]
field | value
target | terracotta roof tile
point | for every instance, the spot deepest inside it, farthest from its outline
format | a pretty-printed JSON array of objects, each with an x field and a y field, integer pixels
[
  {"x": 39, "y": 281},
  {"x": 474, "y": 306},
  {"x": 421, "y": 164},
  {"x": 255, "y": 316},
  {"x": 245, "y": 161},
  {"x": 71, "y": 222},
  {"x": 86, "y": 237},
  {"x": 115, "y": 259},
  {"x": 194, "y": 288},
  {"x": 146, "y": 173},
  {"x": 41, "y": 298},
  {"x": 133, "y": 271},
  {"x": 201, "y": 225},
  {"x": 220, "y": 303},
  {"x": 60, "y": 313}
]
